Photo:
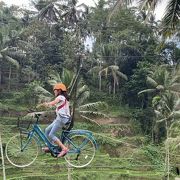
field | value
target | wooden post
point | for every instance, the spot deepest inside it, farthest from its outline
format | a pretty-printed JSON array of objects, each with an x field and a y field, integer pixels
[
  {"x": 2, "y": 156},
  {"x": 69, "y": 172}
]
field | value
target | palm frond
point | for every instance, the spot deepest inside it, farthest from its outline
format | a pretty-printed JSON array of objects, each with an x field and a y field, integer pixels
[
  {"x": 96, "y": 105},
  {"x": 17, "y": 54},
  {"x": 83, "y": 97},
  {"x": 94, "y": 113},
  {"x": 151, "y": 82},
  {"x": 114, "y": 67},
  {"x": 176, "y": 114},
  {"x": 117, "y": 6},
  {"x": 44, "y": 98},
  {"x": 12, "y": 61},
  {"x": 175, "y": 87},
  {"x": 105, "y": 71},
  {"x": 177, "y": 104},
  {"x": 122, "y": 75},
  {"x": 171, "y": 18},
  {"x": 158, "y": 113},
  {"x": 67, "y": 76},
  {"x": 161, "y": 120},
  {"x": 95, "y": 69},
  {"x": 147, "y": 91},
  {"x": 41, "y": 90},
  {"x": 54, "y": 78},
  {"x": 25, "y": 45},
  {"x": 90, "y": 120}
]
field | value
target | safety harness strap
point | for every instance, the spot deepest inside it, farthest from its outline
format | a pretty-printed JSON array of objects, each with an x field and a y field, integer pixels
[{"x": 62, "y": 105}]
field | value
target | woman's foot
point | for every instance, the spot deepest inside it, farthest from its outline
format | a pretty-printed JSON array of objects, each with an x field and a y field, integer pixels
[
  {"x": 46, "y": 149},
  {"x": 63, "y": 153}
]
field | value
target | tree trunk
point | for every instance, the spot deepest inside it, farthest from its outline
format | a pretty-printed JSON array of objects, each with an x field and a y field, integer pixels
[
  {"x": 79, "y": 66},
  {"x": 100, "y": 80},
  {"x": 156, "y": 134},
  {"x": 0, "y": 76},
  {"x": 167, "y": 164},
  {"x": 114, "y": 88},
  {"x": 9, "y": 78},
  {"x": 69, "y": 172}
]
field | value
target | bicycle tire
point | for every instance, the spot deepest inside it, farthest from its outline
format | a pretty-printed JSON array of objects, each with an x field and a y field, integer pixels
[
  {"x": 81, "y": 155},
  {"x": 18, "y": 157}
]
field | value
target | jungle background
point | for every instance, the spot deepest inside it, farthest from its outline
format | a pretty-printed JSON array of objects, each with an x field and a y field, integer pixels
[{"x": 124, "y": 86}]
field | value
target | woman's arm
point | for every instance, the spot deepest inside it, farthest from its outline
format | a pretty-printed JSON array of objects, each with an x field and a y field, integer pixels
[{"x": 52, "y": 103}]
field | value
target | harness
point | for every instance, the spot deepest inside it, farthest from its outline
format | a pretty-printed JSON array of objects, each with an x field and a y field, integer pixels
[{"x": 62, "y": 105}]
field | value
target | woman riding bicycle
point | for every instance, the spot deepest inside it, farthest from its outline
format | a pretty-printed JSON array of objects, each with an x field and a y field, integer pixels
[{"x": 62, "y": 116}]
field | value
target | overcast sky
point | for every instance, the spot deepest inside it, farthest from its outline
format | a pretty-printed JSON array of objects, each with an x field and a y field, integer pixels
[
  {"x": 159, "y": 11},
  {"x": 27, "y": 2}
]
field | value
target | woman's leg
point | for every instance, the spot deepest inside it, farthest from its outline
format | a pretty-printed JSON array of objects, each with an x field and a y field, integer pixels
[
  {"x": 48, "y": 129},
  {"x": 52, "y": 134}
]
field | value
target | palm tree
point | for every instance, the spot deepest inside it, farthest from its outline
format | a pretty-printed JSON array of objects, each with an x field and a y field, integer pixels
[
  {"x": 168, "y": 111},
  {"x": 114, "y": 72},
  {"x": 72, "y": 14},
  {"x": 170, "y": 20},
  {"x": 6, "y": 55},
  {"x": 48, "y": 12},
  {"x": 66, "y": 77},
  {"x": 163, "y": 80}
]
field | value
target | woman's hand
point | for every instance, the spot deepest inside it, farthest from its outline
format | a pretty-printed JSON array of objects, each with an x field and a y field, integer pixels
[{"x": 46, "y": 104}]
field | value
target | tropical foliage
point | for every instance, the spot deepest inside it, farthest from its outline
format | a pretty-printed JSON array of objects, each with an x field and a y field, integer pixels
[{"x": 109, "y": 54}]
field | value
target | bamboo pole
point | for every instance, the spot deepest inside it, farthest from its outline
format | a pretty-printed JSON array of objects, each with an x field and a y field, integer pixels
[
  {"x": 2, "y": 156},
  {"x": 69, "y": 172}
]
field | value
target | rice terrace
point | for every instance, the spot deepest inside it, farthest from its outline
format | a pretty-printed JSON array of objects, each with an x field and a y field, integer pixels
[{"x": 89, "y": 90}]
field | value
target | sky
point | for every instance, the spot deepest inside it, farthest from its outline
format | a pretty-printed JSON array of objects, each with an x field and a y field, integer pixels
[
  {"x": 159, "y": 11},
  {"x": 27, "y": 2}
]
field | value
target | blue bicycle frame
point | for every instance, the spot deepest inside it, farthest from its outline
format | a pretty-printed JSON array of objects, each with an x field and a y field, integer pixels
[{"x": 65, "y": 136}]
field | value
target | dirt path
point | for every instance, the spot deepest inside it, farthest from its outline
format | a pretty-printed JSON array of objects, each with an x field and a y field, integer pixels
[{"x": 113, "y": 120}]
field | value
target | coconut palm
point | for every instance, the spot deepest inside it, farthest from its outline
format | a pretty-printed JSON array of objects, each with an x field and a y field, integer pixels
[
  {"x": 168, "y": 111},
  {"x": 170, "y": 20},
  {"x": 162, "y": 80},
  {"x": 7, "y": 54},
  {"x": 47, "y": 10},
  {"x": 72, "y": 14},
  {"x": 114, "y": 72},
  {"x": 66, "y": 77}
]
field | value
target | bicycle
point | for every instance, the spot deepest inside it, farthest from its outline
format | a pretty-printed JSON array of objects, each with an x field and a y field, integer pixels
[{"x": 23, "y": 148}]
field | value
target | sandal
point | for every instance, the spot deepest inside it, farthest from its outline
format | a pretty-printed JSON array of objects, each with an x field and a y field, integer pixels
[
  {"x": 46, "y": 149},
  {"x": 63, "y": 153}
]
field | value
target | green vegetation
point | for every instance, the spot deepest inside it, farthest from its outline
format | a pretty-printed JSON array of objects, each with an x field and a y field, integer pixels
[{"x": 126, "y": 88}]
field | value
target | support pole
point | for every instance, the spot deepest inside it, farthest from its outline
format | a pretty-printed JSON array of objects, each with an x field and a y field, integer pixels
[{"x": 2, "y": 157}]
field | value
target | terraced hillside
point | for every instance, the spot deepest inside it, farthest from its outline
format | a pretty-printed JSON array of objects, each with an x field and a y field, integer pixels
[{"x": 121, "y": 155}]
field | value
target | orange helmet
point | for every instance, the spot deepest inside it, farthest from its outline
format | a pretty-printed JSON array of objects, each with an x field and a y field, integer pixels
[{"x": 60, "y": 86}]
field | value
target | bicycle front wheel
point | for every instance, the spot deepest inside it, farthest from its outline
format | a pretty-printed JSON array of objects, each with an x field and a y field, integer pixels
[
  {"x": 81, "y": 151},
  {"x": 21, "y": 151}
]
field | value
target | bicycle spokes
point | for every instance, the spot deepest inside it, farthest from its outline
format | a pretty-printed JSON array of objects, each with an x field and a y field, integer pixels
[
  {"x": 21, "y": 151},
  {"x": 82, "y": 151}
]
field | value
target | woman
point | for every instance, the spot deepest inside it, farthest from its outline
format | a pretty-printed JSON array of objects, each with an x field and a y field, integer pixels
[{"x": 62, "y": 116}]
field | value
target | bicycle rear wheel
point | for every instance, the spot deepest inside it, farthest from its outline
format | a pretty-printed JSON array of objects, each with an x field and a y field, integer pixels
[
  {"x": 81, "y": 151},
  {"x": 21, "y": 151}
]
